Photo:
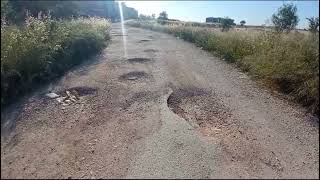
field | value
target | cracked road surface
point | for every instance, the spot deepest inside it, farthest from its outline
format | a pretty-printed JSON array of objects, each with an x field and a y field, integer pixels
[{"x": 168, "y": 110}]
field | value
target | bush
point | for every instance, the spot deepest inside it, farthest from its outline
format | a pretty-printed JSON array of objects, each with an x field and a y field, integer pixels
[
  {"x": 287, "y": 62},
  {"x": 43, "y": 49}
]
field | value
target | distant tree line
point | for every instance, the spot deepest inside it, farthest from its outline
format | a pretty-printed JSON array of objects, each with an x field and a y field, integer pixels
[
  {"x": 284, "y": 20},
  {"x": 15, "y": 10}
]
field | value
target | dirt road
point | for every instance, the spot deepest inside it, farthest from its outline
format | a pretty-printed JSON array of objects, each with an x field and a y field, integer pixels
[{"x": 169, "y": 110}]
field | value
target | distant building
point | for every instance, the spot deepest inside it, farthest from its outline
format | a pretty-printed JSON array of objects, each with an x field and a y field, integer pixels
[{"x": 213, "y": 19}]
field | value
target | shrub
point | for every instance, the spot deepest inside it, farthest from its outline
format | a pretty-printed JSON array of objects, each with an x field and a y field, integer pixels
[
  {"x": 286, "y": 18},
  {"x": 43, "y": 49}
]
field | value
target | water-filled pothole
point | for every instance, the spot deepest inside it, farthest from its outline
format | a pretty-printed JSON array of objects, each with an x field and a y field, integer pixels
[
  {"x": 139, "y": 60},
  {"x": 135, "y": 75}
]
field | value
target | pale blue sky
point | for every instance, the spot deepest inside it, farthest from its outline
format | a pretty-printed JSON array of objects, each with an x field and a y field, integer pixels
[{"x": 253, "y": 12}]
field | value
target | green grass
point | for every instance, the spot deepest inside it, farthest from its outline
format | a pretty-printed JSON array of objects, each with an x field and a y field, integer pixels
[
  {"x": 286, "y": 62},
  {"x": 43, "y": 49}
]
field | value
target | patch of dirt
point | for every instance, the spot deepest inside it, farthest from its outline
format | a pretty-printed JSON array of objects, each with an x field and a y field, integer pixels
[
  {"x": 139, "y": 60},
  {"x": 135, "y": 75}
]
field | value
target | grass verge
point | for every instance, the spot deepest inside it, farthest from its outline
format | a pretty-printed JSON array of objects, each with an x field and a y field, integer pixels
[{"x": 43, "y": 49}]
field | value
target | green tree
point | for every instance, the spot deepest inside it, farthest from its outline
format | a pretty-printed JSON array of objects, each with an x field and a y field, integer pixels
[
  {"x": 313, "y": 24},
  {"x": 163, "y": 15},
  {"x": 242, "y": 23},
  {"x": 286, "y": 18},
  {"x": 226, "y": 23}
]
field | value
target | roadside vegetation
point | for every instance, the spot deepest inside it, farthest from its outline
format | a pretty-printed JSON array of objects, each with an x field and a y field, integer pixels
[
  {"x": 37, "y": 49},
  {"x": 283, "y": 59}
]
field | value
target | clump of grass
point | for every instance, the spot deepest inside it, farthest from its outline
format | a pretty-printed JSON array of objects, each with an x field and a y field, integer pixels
[
  {"x": 286, "y": 62},
  {"x": 44, "y": 48}
]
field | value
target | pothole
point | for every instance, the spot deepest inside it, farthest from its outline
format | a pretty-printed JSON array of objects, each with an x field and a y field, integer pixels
[
  {"x": 135, "y": 75},
  {"x": 80, "y": 90},
  {"x": 199, "y": 107},
  {"x": 206, "y": 112},
  {"x": 145, "y": 40},
  {"x": 151, "y": 50},
  {"x": 71, "y": 95},
  {"x": 120, "y": 35},
  {"x": 139, "y": 60}
]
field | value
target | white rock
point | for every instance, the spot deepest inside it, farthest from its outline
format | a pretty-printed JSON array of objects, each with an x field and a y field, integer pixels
[
  {"x": 68, "y": 93},
  {"x": 67, "y": 101},
  {"x": 132, "y": 78},
  {"x": 60, "y": 99}
]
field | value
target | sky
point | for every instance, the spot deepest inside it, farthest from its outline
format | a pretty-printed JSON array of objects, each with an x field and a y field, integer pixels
[{"x": 253, "y": 12}]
